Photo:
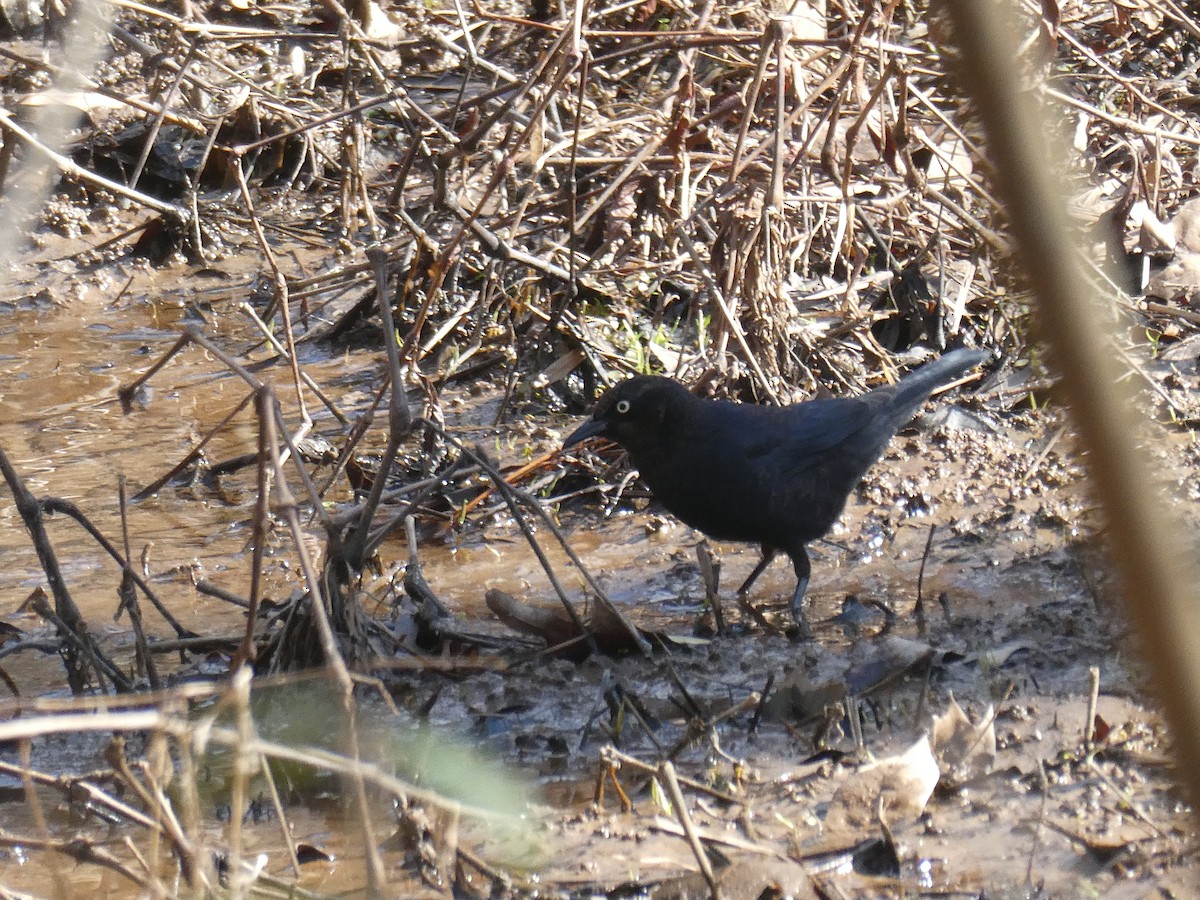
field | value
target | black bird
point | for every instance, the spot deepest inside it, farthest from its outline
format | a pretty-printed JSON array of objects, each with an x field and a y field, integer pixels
[{"x": 775, "y": 476}]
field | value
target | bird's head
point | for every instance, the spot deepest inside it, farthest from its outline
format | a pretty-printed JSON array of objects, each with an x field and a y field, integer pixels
[{"x": 638, "y": 414}]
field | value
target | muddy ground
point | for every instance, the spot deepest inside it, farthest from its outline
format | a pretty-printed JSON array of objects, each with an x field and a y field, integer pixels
[{"x": 1018, "y": 604}]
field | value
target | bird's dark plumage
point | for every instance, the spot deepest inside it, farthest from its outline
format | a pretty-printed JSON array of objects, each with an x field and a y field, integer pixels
[{"x": 776, "y": 476}]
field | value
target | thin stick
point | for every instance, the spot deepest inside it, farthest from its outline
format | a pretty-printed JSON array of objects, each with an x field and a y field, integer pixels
[
  {"x": 376, "y": 877},
  {"x": 129, "y": 599},
  {"x": 666, "y": 773},
  {"x": 920, "y": 610},
  {"x": 69, "y": 167}
]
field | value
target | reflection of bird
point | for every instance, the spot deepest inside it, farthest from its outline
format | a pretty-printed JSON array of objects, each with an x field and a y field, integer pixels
[{"x": 777, "y": 476}]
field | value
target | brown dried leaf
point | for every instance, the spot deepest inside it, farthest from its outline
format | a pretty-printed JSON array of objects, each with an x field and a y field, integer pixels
[
  {"x": 964, "y": 751},
  {"x": 896, "y": 789}
]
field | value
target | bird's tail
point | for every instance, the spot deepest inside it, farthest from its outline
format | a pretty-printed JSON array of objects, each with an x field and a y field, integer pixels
[{"x": 913, "y": 389}]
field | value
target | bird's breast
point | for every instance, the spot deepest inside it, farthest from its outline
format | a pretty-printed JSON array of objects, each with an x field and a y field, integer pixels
[{"x": 712, "y": 492}]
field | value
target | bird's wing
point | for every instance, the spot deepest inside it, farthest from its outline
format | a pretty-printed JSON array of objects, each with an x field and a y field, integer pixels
[{"x": 806, "y": 430}]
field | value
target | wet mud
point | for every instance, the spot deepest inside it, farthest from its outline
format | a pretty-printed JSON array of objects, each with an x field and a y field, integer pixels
[{"x": 1019, "y": 610}]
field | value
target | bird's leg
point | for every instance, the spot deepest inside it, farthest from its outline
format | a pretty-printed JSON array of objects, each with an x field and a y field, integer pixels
[
  {"x": 768, "y": 554},
  {"x": 803, "y": 569}
]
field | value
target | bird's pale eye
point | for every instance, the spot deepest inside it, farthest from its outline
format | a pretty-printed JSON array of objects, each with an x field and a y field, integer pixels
[{"x": 622, "y": 406}]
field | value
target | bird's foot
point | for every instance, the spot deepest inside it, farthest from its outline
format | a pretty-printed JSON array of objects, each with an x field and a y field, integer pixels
[
  {"x": 800, "y": 631},
  {"x": 749, "y": 609}
]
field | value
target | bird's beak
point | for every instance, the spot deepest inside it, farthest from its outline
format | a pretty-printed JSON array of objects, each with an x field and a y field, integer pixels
[{"x": 590, "y": 428}]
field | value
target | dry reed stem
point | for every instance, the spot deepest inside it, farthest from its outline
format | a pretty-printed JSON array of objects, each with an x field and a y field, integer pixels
[
  {"x": 153, "y": 812},
  {"x": 1160, "y": 579}
]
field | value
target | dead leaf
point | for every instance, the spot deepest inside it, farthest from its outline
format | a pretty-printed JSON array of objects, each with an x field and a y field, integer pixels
[
  {"x": 379, "y": 26},
  {"x": 1186, "y": 225},
  {"x": 555, "y": 627},
  {"x": 895, "y": 789},
  {"x": 1153, "y": 233},
  {"x": 552, "y": 625},
  {"x": 995, "y": 657},
  {"x": 892, "y": 658},
  {"x": 964, "y": 751},
  {"x": 1179, "y": 281},
  {"x": 559, "y": 369},
  {"x": 799, "y": 699},
  {"x": 808, "y": 21},
  {"x": 85, "y": 101}
]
